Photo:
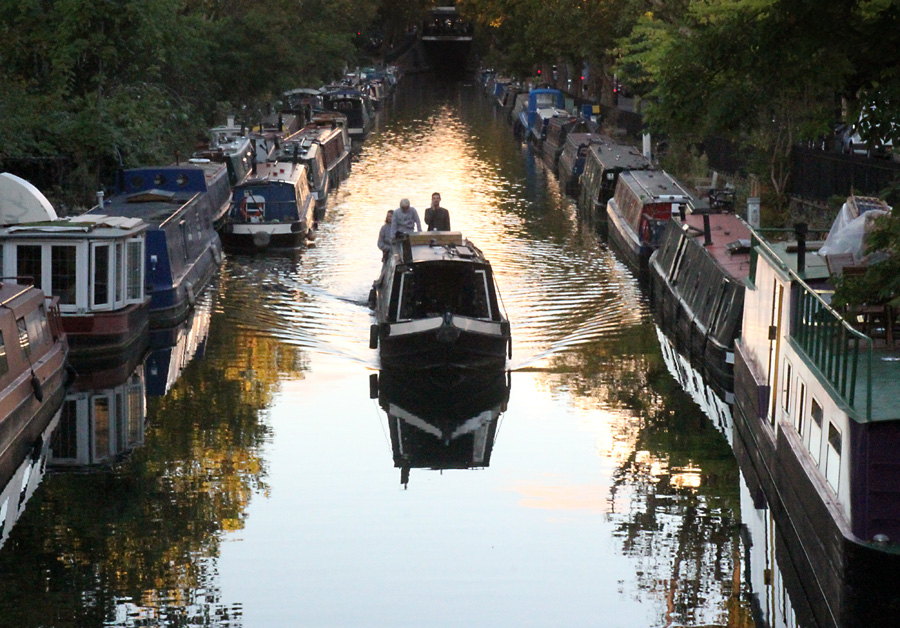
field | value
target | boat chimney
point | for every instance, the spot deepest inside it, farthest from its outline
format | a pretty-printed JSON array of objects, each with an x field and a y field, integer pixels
[
  {"x": 707, "y": 234},
  {"x": 177, "y": 157},
  {"x": 801, "y": 230},
  {"x": 100, "y": 199}
]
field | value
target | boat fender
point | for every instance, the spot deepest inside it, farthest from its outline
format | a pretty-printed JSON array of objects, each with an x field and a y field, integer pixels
[
  {"x": 37, "y": 388},
  {"x": 509, "y": 349},
  {"x": 447, "y": 333},
  {"x": 373, "y": 386},
  {"x": 217, "y": 254},
  {"x": 261, "y": 239},
  {"x": 373, "y": 337},
  {"x": 189, "y": 289},
  {"x": 311, "y": 235}
]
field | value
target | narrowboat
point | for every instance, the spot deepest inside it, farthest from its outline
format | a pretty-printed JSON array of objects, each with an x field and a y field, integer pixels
[
  {"x": 555, "y": 137},
  {"x": 529, "y": 116},
  {"x": 355, "y": 105},
  {"x": 268, "y": 136},
  {"x": 643, "y": 203},
  {"x": 336, "y": 144},
  {"x": 33, "y": 367},
  {"x": 22, "y": 468},
  {"x": 602, "y": 166},
  {"x": 697, "y": 288},
  {"x": 448, "y": 421},
  {"x": 272, "y": 210},
  {"x": 436, "y": 306},
  {"x": 818, "y": 424},
  {"x": 572, "y": 158},
  {"x": 303, "y": 148},
  {"x": 182, "y": 249},
  {"x": 229, "y": 145}
]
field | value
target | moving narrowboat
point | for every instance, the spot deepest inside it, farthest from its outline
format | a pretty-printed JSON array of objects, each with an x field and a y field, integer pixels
[
  {"x": 643, "y": 203},
  {"x": 818, "y": 425},
  {"x": 602, "y": 166},
  {"x": 444, "y": 421},
  {"x": 697, "y": 285},
  {"x": 272, "y": 210},
  {"x": 182, "y": 250},
  {"x": 436, "y": 306}
]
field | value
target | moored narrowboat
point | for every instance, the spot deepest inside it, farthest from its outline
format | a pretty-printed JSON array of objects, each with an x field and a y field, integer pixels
[
  {"x": 436, "y": 306},
  {"x": 602, "y": 165},
  {"x": 643, "y": 203},
  {"x": 818, "y": 425},
  {"x": 355, "y": 105},
  {"x": 697, "y": 283},
  {"x": 229, "y": 145},
  {"x": 182, "y": 250},
  {"x": 272, "y": 210},
  {"x": 572, "y": 158}
]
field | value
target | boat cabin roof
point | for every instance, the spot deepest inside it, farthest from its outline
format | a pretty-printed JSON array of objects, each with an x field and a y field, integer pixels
[
  {"x": 97, "y": 226},
  {"x": 619, "y": 156},
  {"x": 653, "y": 186},
  {"x": 278, "y": 172},
  {"x": 436, "y": 246}
]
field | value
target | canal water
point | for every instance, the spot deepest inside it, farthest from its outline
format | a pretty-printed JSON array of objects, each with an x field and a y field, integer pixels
[{"x": 254, "y": 473}]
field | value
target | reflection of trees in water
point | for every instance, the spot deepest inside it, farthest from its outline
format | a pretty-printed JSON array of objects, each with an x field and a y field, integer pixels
[
  {"x": 138, "y": 543},
  {"x": 674, "y": 497}
]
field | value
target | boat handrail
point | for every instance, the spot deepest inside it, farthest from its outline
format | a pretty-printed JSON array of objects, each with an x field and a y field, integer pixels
[{"x": 822, "y": 333}]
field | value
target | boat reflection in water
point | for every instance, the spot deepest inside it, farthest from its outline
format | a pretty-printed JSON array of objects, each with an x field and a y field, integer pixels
[
  {"x": 22, "y": 467},
  {"x": 173, "y": 349},
  {"x": 445, "y": 420},
  {"x": 785, "y": 592},
  {"x": 101, "y": 423}
]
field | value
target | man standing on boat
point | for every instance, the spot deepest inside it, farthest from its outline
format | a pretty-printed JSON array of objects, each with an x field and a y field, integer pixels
[
  {"x": 384, "y": 235},
  {"x": 436, "y": 217},
  {"x": 405, "y": 220}
]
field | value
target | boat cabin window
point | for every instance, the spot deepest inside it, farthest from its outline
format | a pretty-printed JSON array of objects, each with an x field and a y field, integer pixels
[
  {"x": 431, "y": 290},
  {"x": 833, "y": 457},
  {"x": 134, "y": 275},
  {"x": 4, "y": 362},
  {"x": 159, "y": 180},
  {"x": 23, "y": 335},
  {"x": 801, "y": 407},
  {"x": 63, "y": 273},
  {"x": 786, "y": 388},
  {"x": 185, "y": 237},
  {"x": 36, "y": 323},
  {"x": 119, "y": 274},
  {"x": 99, "y": 275},
  {"x": 28, "y": 262},
  {"x": 815, "y": 430}
]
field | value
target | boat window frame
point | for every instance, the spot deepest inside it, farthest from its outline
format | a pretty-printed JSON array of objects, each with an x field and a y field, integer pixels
[
  {"x": 24, "y": 340},
  {"x": 786, "y": 387},
  {"x": 487, "y": 291},
  {"x": 832, "y": 474},
  {"x": 64, "y": 306},
  {"x": 403, "y": 274},
  {"x": 799, "y": 415},
  {"x": 92, "y": 277},
  {"x": 134, "y": 265},
  {"x": 814, "y": 446}
]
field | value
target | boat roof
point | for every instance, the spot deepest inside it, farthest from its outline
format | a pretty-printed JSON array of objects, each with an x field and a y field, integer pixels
[
  {"x": 620, "y": 156},
  {"x": 730, "y": 237},
  {"x": 277, "y": 172},
  {"x": 658, "y": 185},
  {"x": 439, "y": 246},
  {"x": 96, "y": 225},
  {"x": 585, "y": 138}
]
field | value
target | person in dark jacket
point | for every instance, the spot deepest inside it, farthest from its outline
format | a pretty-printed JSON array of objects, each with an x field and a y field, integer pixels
[
  {"x": 436, "y": 217},
  {"x": 384, "y": 236}
]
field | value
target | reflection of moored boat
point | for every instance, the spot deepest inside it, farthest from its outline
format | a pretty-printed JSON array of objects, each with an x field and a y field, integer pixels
[
  {"x": 447, "y": 421},
  {"x": 818, "y": 425},
  {"x": 171, "y": 350},
  {"x": 436, "y": 305},
  {"x": 22, "y": 468},
  {"x": 101, "y": 422},
  {"x": 272, "y": 210}
]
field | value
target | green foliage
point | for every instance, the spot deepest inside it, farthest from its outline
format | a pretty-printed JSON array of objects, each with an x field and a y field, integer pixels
[{"x": 880, "y": 284}]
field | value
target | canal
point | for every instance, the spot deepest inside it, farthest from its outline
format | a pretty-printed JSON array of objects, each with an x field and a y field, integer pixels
[{"x": 246, "y": 476}]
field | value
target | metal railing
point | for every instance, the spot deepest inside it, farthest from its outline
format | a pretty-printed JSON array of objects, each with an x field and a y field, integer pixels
[{"x": 837, "y": 350}]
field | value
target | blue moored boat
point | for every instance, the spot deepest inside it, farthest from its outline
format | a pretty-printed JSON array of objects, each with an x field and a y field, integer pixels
[{"x": 183, "y": 250}]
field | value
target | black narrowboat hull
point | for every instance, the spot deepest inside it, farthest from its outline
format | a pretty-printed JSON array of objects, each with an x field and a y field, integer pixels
[
  {"x": 257, "y": 241},
  {"x": 433, "y": 343}
]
